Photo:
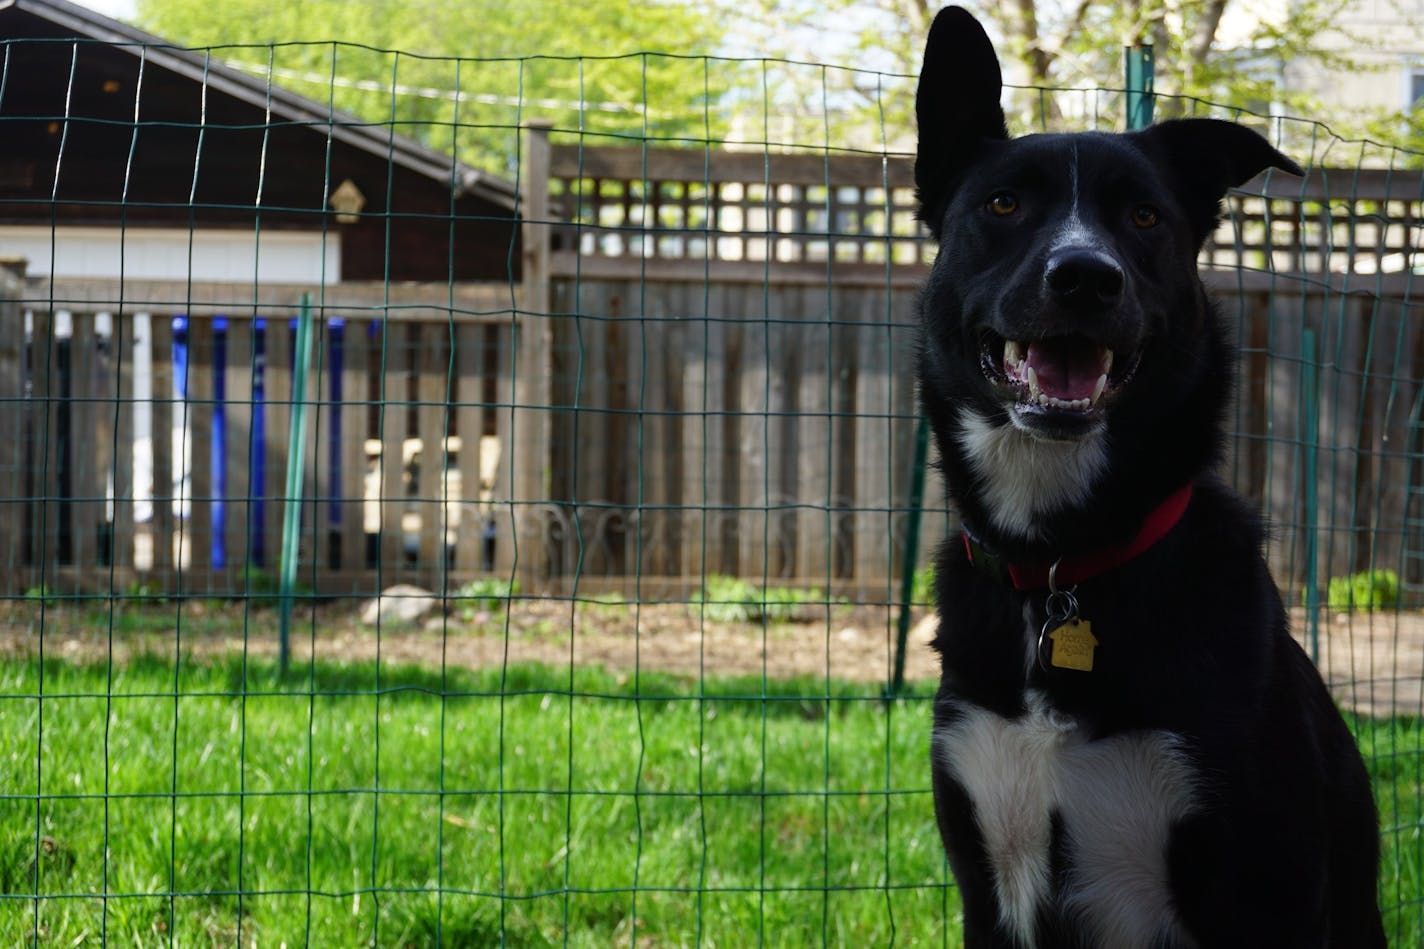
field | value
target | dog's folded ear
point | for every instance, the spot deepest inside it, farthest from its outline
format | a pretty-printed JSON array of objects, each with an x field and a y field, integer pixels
[
  {"x": 956, "y": 107},
  {"x": 1208, "y": 157}
]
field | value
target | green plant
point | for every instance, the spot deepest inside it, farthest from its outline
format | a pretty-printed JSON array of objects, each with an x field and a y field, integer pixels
[
  {"x": 727, "y": 599},
  {"x": 261, "y": 588},
  {"x": 922, "y": 591},
  {"x": 608, "y": 605},
  {"x": 486, "y": 594},
  {"x": 1367, "y": 590},
  {"x": 258, "y": 581},
  {"x": 733, "y": 600},
  {"x": 139, "y": 590}
]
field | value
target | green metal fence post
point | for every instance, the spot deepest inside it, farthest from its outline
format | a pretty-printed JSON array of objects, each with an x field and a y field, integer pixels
[
  {"x": 1138, "y": 87},
  {"x": 912, "y": 549},
  {"x": 296, "y": 465},
  {"x": 1310, "y": 440}
]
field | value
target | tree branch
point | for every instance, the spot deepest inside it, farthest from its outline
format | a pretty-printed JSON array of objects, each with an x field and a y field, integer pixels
[
  {"x": 1034, "y": 55},
  {"x": 1070, "y": 29},
  {"x": 1206, "y": 30}
]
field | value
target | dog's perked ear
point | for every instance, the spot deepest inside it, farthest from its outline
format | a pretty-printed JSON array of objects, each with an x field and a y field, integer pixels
[
  {"x": 1208, "y": 157},
  {"x": 956, "y": 108}
]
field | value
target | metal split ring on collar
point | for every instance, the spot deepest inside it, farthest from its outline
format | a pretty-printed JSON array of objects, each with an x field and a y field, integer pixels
[
  {"x": 1061, "y": 605},
  {"x": 1064, "y": 627}
]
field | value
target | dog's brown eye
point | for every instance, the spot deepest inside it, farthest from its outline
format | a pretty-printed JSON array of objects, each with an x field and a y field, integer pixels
[
  {"x": 1144, "y": 215},
  {"x": 1003, "y": 203}
]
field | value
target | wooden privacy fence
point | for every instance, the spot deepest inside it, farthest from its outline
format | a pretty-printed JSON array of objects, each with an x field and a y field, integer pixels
[
  {"x": 1325, "y": 429},
  {"x": 736, "y": 395},
  {"x": 758, "y": 310},
  {"x": 156, "y": 446},
  {"x": 704, "y": 370}
]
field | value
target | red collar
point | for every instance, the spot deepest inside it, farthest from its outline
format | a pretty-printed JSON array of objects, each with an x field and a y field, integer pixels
[{"x": 1034, "y": 576}]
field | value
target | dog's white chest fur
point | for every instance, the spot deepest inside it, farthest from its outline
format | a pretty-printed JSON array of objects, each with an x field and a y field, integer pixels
[
  {"x": 1117, "y": 799},
  {"x": 1026, "y": 476}
]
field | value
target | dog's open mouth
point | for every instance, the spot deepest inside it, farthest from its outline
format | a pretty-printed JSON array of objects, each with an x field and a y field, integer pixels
[{"x": 1061, "y": 375}]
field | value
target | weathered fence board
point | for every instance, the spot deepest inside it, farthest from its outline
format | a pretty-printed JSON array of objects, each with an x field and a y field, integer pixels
[
  {"x": 163, "y": 418},
  {"x": 350, "y": 417},
  {"x": 433, "y": 392},
  {"x": 276, "y": 429},
  {"x": 42, "y": 520},
  {"x": 15, "y": 498},
  {"x": 119, "y": 505},
  {"x": 241, "y": 488},
  {"x": 472, "y": 415},
  {"x": 86, "y": 482},
  {"x": 197, "y": 421},
  {"x": 391, "y": 429}
]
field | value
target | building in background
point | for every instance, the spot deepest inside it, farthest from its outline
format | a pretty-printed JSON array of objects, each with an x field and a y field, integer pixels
[{"x": 170, "y": 218}]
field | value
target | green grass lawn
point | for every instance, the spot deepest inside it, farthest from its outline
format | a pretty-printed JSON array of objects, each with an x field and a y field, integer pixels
[{"x": 345, "y": 807}]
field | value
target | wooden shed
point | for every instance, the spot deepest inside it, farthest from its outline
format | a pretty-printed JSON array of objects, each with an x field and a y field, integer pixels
[{"x": 106, "y": 125}]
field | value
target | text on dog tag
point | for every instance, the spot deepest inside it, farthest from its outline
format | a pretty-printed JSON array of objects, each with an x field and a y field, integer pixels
[{"x": 1073, "y": 645}]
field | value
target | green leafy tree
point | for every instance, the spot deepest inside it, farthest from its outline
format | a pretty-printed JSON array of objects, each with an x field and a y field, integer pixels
[
  {"x": 467, "y": 75},
  {"x": 463, "y": 77},
  {"x": 1049, "y": 47}
]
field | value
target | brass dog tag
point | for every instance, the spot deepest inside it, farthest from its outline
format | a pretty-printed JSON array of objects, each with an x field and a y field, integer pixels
[{"x": 1073, "y": 645}]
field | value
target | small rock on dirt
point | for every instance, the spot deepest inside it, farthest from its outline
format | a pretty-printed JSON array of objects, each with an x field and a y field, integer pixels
[{"x": 403, "y": 603}]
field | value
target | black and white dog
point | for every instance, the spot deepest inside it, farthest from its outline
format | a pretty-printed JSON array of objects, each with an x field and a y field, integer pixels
[{"x": 1129, "y": 749}]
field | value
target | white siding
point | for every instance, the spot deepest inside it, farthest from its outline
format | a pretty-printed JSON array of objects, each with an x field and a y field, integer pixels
[{"x": 144, "y": 253}]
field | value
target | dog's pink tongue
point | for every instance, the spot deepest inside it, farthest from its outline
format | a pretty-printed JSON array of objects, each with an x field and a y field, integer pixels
[{"x": 1066, "y": 369}]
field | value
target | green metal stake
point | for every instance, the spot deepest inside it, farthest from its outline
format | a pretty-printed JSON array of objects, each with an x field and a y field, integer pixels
[
  {"x": 912, "y": 548},
  {"x": 296, "y": 465},
  {"x": 1138, "y": 60},
  {"x": 1310, "y": 421}
]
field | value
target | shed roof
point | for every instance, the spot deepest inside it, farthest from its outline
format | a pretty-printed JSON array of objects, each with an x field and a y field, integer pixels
[{"x": 29, "y": 19}]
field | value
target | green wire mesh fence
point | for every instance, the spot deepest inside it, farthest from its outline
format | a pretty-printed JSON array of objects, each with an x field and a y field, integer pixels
[{"x": 592, "y": 428}]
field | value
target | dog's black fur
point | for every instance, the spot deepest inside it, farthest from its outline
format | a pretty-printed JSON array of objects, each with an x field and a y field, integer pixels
[{"x": 1197, "y": 787}]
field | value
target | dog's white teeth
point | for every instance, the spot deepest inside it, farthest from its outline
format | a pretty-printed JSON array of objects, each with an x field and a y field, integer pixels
[
  {"x": 1098, "y": 389},
  {"x": 1106, "y": 366},
  {"x": 1052, "y": 402},
  {"x": 1014, "y": 363},
  {"x": 1034, "y": 391}
]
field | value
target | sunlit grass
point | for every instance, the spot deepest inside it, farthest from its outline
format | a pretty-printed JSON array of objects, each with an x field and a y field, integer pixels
[
  {"x": 340, "y": 806},
  {"x": 318, "y": 810}
]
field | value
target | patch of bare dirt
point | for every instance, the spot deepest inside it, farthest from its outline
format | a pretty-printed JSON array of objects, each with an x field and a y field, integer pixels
[
  {"x": 1373, "y": 662},
  {"x": 842, "y": 642}
]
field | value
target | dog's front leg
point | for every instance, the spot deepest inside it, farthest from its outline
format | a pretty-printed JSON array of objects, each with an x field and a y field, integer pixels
[{"x": 973, "y": 876}]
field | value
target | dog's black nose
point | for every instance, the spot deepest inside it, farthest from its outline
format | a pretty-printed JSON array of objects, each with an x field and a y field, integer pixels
[{"x": 1083, "y": 278}]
